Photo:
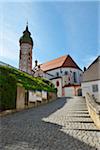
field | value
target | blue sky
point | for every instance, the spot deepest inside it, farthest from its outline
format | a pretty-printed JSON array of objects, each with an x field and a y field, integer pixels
[{"x": 57, "y": 27}]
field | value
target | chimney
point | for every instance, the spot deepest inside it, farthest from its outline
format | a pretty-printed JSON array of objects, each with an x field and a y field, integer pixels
[{"x": 84, "y": 69}]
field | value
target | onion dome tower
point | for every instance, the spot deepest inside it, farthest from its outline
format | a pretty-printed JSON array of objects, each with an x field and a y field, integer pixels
[{"x": 26, "y": 45}]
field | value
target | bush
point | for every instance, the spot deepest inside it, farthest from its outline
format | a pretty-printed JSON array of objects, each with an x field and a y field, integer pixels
[
  {"x": 7, "y": 90},
  {"x": 29, "y": 82}
]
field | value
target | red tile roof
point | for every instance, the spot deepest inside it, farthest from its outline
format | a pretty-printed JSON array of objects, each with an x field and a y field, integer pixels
[{"x": 64, "y": 61}]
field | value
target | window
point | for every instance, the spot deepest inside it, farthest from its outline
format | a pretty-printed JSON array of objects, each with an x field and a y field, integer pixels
[
  {"x": 57, "y": 83},
  {"x": 57, "y": 74},
  {"x": 61, "y": 71},
  {"x": 95, "y": 88},
  {"x": 20, "y": 54},
  {"x": 66, "y": 72},
  {"x": 75, "y": 77}
]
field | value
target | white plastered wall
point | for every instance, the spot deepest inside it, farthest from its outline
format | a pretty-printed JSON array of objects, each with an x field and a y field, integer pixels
[
  {"x": 69, "y": 91},
  {"x": 59, "y": 88},
  {"x": 87, "y": 88},
  {"x": 70, "y": 71}
]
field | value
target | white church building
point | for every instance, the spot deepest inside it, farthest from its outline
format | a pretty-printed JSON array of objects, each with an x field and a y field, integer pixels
[{"x": 64, "y": 73}]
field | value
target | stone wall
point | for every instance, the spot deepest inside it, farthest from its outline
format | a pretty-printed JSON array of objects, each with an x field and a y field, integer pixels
[
  {"x": 20, "y": 100},
  {"x": 34, "y": 98},
  {"x": 94, "y": 109},
  {"x": 51, "y": 96}
]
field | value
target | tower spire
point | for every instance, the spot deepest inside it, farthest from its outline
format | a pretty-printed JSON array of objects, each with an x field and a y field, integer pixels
[
  {"x": 27, "y": 23},
  {"x": 27, "y": 26}
]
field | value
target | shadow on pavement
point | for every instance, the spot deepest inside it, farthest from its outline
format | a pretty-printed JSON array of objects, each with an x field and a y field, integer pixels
[{"x": 27, "y": 131}]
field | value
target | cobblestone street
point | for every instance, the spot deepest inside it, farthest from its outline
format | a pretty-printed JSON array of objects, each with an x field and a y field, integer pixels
[{"x": 63, "y": 124}]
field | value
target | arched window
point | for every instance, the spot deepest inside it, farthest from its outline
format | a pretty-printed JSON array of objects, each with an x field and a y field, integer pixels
[
  {"x": 69, "y": 78},
  {"x": 66, "y": 72},
  {"x": 75, "y": 77},
  {"x": 57, "y": 73},
  {"x": 57, "y": 83}
]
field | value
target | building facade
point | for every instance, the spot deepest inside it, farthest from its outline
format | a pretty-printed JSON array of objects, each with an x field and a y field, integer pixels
[
  {"x": 64, "y": 73},
  {"x": 91, "y": 80}
]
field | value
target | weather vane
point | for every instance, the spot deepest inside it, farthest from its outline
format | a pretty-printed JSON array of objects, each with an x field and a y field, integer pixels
[{"x": 27, "y": 23}]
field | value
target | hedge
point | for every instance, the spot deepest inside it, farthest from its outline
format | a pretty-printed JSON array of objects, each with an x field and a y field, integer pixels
[
  {"x": 30, "y": 82},
  {"x": 7, "y": 90}
]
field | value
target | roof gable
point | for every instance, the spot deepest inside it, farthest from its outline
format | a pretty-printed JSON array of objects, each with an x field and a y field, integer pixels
[
  {"x": 64, "y": 61},
  {"x": 69, "y": 62},
  {"x": 92, "y": 73},
  {"x": 97, "y": 60}
]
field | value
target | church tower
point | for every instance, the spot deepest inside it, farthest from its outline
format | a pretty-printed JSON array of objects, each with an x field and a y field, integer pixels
[{"x": 25, "y": 57}]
